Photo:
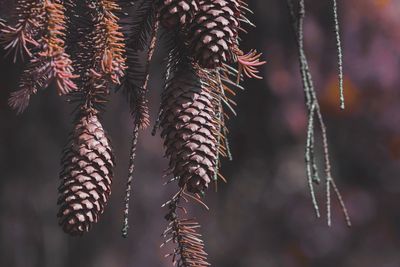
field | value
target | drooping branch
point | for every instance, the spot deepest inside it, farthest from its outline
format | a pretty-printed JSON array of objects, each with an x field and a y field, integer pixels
[
  {"x": 113, "y": 55},
  {"x": 139, "y": 108},
  {"x": 52, "y": 54},
  {"x": 88, "y": 161},
  {"x": 314, "y": 111},
  {"x": 183, "y": 232},
  {"x": 131, "y": 169},
  {"x": 339, "y": 53},
  {"x": 99, "y": 53},
  {"x": 22, "y": 37},
  {"x": 42, "y": 24}
]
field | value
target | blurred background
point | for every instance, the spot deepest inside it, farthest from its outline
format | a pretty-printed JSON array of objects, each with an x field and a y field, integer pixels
[{"x": 263, "y": 217}]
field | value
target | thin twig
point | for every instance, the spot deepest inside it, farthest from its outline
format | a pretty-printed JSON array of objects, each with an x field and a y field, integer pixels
[
  {"x": 339, "y": 54},
  {"x": 135, "y": 136},
  {"x": 314, "y": 109}
]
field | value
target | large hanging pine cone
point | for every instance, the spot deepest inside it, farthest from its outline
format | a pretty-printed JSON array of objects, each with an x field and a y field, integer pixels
[
  {"x": 189, "y": 128},
  {"x": 177, "y": 12},
  {"x": 86, "y": 176},
  {"x": 214, "y": 32}
]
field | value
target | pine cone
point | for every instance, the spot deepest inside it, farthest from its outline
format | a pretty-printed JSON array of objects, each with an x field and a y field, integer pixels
[
  {"x": 177, "y": 12},
  {"x": 86, "y": 176},
  {"x": 189, "y": 130},
  {"x": 214, "y": 32}
]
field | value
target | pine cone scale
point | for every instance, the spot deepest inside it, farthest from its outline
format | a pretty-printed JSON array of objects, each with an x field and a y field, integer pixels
[
  {"x": 177, "y": 12},
  {"x": 213, "y": 34}
]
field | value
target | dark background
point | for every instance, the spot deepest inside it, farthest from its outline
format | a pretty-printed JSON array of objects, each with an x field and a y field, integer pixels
[{"x": 263, "y": 217}]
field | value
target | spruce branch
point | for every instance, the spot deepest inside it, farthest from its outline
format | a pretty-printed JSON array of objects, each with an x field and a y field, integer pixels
[
  {"x": 183, "y": 232},
  {"x": 136, "y": 83},
  {"x": 52, "y": 54},
  {"x": 110, "y": 35},
  {"x": 339, "y": 53},
  {"x": 140, "y": 112},
  {"x": 49, "y": 61},
  {"x": 131, "y": 169},
  {"x": 314, "y": 111},
  {"x": 29, "y": 16},
  {"x": 32, "y": 79},
  {"x": 88, "y": 159},
  {"x": 139, "y": 26}
]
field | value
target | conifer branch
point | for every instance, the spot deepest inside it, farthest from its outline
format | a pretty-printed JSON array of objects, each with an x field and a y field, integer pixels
[
  {"x": 131, "y": 169},
  {"x": 339, "y": 54},
  {"x": 49, "y": 61},
  {"x": 58, "y": 62},
  {"x": 189, "y": 251},
  {"x": 139, "y": 108},
  {"x": 22, "y": 37},
  {"x": 139, "y": 26},
  {"x": 110, "y": 34},
  {"x": 314, "y": 110}
]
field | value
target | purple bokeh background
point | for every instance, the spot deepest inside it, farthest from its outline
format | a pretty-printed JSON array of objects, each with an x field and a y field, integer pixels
[{"x": 263, "y": 217}]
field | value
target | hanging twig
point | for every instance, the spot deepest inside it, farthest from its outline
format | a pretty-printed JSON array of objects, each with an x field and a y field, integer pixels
[
  {"x": 141, "y": 121},
  {"x": 135, "y": 136},
  {"x": 314, "y": 110},
  {"x": 183, "y": 232},
  {"x": 339, "y": 54}
]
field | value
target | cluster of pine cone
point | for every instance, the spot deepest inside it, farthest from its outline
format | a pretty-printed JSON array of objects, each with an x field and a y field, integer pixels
[{"x": 87, "y": 49}]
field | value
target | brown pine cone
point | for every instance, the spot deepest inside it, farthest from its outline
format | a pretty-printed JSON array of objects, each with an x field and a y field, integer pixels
[
  {"x": 189, "y": 130},
  {"x": 86, "y": 176},
  {"x": 214, "y": 32},
  {"x": 177, "y": 12}
]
